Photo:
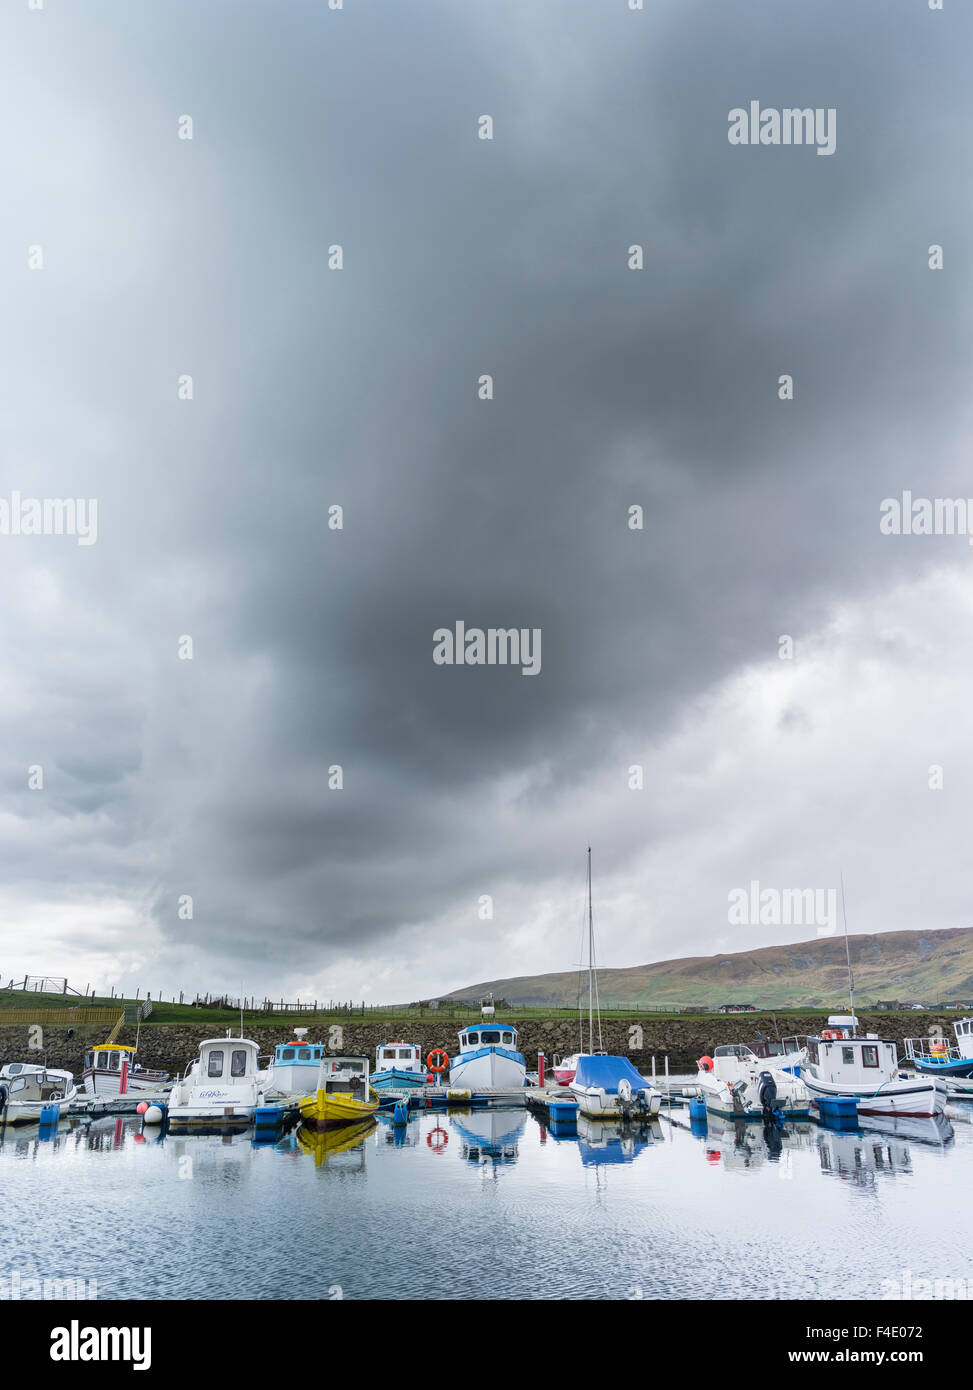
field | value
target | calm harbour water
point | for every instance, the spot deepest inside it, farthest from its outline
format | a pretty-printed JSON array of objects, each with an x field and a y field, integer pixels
[{"x": 490, "y": 1205}]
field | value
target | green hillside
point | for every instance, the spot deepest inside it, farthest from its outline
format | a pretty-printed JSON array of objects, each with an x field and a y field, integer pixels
[{"x": 906, "y": 965}]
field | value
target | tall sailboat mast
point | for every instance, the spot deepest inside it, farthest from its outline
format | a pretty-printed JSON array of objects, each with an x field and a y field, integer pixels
[
  {"x": 591, "y": 964},
  {"x": 851, "y": 980}
]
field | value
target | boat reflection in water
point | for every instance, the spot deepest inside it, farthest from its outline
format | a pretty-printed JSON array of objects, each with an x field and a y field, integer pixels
[
  {"x": 341, "y": 1149},
  {"x": 738, "y": 1144},
  {"x": 489, "y": 1136},
  {"x": 880, "y": 1147},
  {"x": 615, "y": 1141}
]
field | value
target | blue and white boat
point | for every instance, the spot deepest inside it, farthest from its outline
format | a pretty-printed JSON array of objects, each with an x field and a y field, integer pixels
[
  {"x": 609, "y": 1087},
  {"x": 399, "y": 1066},
  {"x": 293, "y": 1070},
  {"x": 937, "y": 1057},
  {"x": 488, "y": 1058}
]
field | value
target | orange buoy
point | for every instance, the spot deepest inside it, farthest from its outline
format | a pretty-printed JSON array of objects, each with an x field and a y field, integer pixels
[{"x": 706, "y": 1064}]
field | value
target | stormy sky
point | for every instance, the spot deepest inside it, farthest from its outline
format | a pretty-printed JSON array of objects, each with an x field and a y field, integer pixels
[{"x": 313, "y": 387}]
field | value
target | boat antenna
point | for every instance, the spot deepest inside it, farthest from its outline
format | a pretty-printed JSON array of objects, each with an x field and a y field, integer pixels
[{"x": 851, "y": 979}]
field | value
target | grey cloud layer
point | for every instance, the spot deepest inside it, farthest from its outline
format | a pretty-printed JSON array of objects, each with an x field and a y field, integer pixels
[{"x": 314, "y": 387}]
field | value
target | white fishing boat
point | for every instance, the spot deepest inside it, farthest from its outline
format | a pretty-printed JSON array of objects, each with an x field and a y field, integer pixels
[
  {"x": 222, "y": 1087},
  {"x": 843, "y": 1063},
  {"x": 26, "y": 1089},
  {"x": 735, "y": 1083},
  {"x": 488, "y": 1059},
  {"x": 110, "y": 1069}
]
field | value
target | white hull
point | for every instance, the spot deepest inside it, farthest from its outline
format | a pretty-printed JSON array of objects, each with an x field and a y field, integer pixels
[
  {"x": 793, "y": 1097},
  {"x": 210, "y": 1114},
  {"x": 598, "y": 1104},
  {"x": 28, "y": 1112},
  {"x": 109, "y": 1083},
  {"x": 914, "y": 1096},
  {"x": 487, "y": 1071}
]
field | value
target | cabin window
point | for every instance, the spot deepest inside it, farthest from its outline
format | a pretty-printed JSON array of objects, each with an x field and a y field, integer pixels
[
  {"x": 869, "y": 1056},
  {"x": 87, "y": 1059},
  {"x": 405, "y": 1053},
  {"x": 812, "y": 1052},
  {"x": 490, "y": 1037},
  {"x": 848, "y": 1056},
  {"x": 508, "y": 1037},
  {"x": 287, "y": 1055},
  {"x": 19, "y": 1084},
  {"x": 389, "y": 1054},
  {"x": 114, "y": 1060},
  {"x": 238, "y": 1062},
  {"x": 215, "y": 1064},
  {"x": 304, "y": 1055},
  {"x": 472, "y": 1040}
]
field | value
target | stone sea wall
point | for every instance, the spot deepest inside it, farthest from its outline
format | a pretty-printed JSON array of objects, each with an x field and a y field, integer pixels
[{"x": 683, "y": 1038}]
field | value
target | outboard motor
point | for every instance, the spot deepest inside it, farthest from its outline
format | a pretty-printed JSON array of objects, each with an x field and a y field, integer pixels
[
  {"x": 4, "y": 1096},
  {"x": 767, "y": 1095}
]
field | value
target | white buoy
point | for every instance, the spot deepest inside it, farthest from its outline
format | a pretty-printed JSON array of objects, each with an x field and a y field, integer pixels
[{"x": 153, "y": 1116}]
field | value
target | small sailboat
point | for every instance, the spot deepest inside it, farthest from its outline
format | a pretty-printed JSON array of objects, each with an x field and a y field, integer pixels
[
  {"x": 222, "y": 1087},
  {"x": 343, "y": 1095},
  {"x": 605, "y": 1086},
  {"x": 398, "y": 1065},
  {"x": 488, "y": 1059},
  {"x": 26, "y": 1089}
]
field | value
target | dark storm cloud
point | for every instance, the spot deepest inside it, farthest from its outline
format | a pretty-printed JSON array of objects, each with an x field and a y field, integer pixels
[{"x": 357, "y": 387}]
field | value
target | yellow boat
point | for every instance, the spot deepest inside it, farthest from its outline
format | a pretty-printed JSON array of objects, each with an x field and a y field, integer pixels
[{"x": 343, "y": 1096}]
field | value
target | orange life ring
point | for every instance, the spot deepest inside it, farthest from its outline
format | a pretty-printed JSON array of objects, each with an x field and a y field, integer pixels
[
  {"x": 437, "y": 1148},
  {"x": 436, "y": 1053}
]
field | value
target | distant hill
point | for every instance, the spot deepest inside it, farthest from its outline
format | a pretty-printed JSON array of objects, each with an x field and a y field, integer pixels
[{"x": 903, "y": 965}]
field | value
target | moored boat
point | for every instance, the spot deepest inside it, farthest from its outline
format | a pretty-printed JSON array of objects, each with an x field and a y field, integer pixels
[
  {"x": 842, "y": 1062},
  {"x": 737, "y": 1084},
  {"x": 26, "y": 1089},
  {"x": 937, "y": 1057},
  {"x": 607, "y": 1087},
  {"x": 398, "y": 1065},
  {"x": 488, "y": 1058},
  {"x": 110, "y": 1069},
  {"x": 564, "y": 1069},
  {"x": 222, "y": 1087},
  {"x": 293, "y": 1069},
  {"x": 343, "y": 1095}
]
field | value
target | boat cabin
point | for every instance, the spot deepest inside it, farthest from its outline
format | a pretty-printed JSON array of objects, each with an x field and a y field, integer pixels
[
  {"x": 108, "y": 1057},
  {"x": 731, "y": 1061},
  {"x": 963, "y": 1029},
  {"x": 228, "y": 1060},
  {"x": 298, "y": 1051},
  {"x": 775, "y": 1047},
  {"x": 852, "y": 1061},
  {"x": 347, "y": 1075},
  {"x": 399, "y": 1056},
  {"x": 29, "y": 1084},
  {"x": 487, "y": 1035}
]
